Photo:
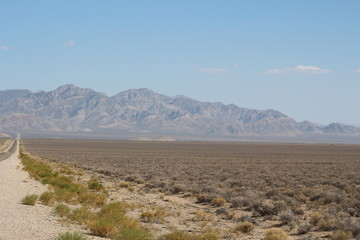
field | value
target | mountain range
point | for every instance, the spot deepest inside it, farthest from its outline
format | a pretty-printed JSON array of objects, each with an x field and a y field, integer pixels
[{"x": 73, "y": 109}]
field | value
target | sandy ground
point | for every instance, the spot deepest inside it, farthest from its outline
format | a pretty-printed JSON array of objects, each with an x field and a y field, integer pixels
[{"x": 21, "y": 222}]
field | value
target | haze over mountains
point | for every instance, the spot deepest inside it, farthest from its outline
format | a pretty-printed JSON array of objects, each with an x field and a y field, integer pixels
[{"x": 73, "y": 109}]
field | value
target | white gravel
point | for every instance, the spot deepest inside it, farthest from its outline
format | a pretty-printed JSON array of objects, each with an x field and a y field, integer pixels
[{"x": 21, "y": 222}]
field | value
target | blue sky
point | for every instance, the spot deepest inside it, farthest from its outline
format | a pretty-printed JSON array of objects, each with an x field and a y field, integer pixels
[{"x": 299, "y": 57}]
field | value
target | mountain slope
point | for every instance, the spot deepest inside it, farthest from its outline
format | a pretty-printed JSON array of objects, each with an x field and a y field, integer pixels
[{"x": 73, "y": 109}]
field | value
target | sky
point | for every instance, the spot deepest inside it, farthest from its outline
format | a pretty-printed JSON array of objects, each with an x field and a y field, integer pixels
[{"x": 299, "y": 57}]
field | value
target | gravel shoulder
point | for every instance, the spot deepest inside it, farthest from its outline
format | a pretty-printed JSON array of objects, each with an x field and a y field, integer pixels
[{"x": 21, "y": 222}]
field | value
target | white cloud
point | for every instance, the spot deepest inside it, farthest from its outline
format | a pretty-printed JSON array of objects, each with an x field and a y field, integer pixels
[
  {"x": 298, "y": 69},
  {"x": 213, "y": 70},
  {"x": 69, "y": 43},
  {"x": 5, "y": 47},
  {"x": 357, "y": 70},
  {"x": 237, "y": 66}
]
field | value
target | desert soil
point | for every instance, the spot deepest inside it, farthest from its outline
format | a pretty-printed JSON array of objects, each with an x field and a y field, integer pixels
[{"x": 21, "y": 222}]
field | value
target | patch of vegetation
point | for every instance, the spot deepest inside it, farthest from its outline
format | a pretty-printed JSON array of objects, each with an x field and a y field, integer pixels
[
  {"x": 71, "y": 236},
  {"x": 218, "y": 202},
  {"x": 157, "y": 216},
  {"x": 95, "y": 184},
  {"x": 47, "y": 198},
  {"x": 244, "y": 227},
  {"x": 65, "y": 188},
  {"x": 29, "y": 199},
  {"x": 341, "y": 235},
  {"x": 179, "y": 235},
  {"x": 62, "y": 210},
  {"x": 275, "y": 234}
]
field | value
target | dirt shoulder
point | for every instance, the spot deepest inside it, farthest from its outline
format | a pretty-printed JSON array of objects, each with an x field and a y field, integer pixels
[{"x": 19, "y": 221}]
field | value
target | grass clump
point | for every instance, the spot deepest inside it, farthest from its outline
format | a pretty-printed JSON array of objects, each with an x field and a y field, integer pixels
[
  {"x": 244, "y": 227},
  {"x": 47, "y": 198},
  {"x": 29, "y": 199},
  {"x": 81, "y": 215},
  {"x": 111, "y": 219},
  {"x": 62, "y": 210},
  {"x": 275, "y": 234},
  {"x": 179, "y": 235},
  {"x": 132, "y": 234},
  {"x": 92, "y": 199},
  {"x": 218, "y": 202},
  {"x": 341, "y": 235},
  {"x": 157, "y": 216},
  {"x": 71, "y": 236},
  {"x": 95, "y": 184}
]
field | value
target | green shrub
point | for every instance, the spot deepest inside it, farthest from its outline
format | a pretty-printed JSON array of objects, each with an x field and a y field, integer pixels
[
  {"x": 29, "y": 199},
  {"x": 71, "y": 236}
]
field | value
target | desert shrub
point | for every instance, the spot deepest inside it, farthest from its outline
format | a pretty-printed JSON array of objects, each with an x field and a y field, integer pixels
[
  {"x": 275, "y": 234},
  {"x": 244, "y": 227},
  {"x": 333, "y": 197},
  {"x": 157, "y": 216},
  {"x": 327, "y": 224},
  {"x": 135, "y": 178},
  {"x": 264, "y": 208},
  {"x": 201, "y": 215},
  {"x": 205, "y": 197},
  {"x": 247, "y": 218},
  {"x": 176, "y": 235},
  {"x": 179, "y": 235},
  {"x": 303, "y": 228},
  {"x": 316, "y": 217},
  {"x": 71, "y": 236},
  {"x": 237, "y": 202},
  {"x": 286, "y": 216},
  {"x": 176, "y": 189},
  {"x": 62, "y": 210},
  {"x": 47, "y": 198},
  {"x": 95, "y": 184},
  {"x": 124, "y": 184},
  {"x": 350, "y": 225},
  {"x": 222, "y": 211},
  {"x": 341, "y": 235},
  {"x": 132, "y": 234},
  {"x": 29, "y": 199},
  {"x": 218, "y": 202}
]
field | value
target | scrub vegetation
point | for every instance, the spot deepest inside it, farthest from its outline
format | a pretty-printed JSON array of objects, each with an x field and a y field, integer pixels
[{"x": 271, "y": 191}]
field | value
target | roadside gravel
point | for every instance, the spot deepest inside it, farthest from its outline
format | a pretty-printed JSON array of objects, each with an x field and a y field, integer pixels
[{"x": 21, "y": 222}]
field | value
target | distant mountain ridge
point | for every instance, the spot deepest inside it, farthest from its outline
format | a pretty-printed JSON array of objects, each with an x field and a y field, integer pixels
[{"x": 73, "y": 109}]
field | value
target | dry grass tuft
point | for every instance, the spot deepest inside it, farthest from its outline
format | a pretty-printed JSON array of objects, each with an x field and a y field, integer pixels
[
  {"x": 275, "y": 234},
  {"x": 29, "y": 199}
]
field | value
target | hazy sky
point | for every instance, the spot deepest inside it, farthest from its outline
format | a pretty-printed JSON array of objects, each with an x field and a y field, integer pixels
[{"x": 299, "y": 57}]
